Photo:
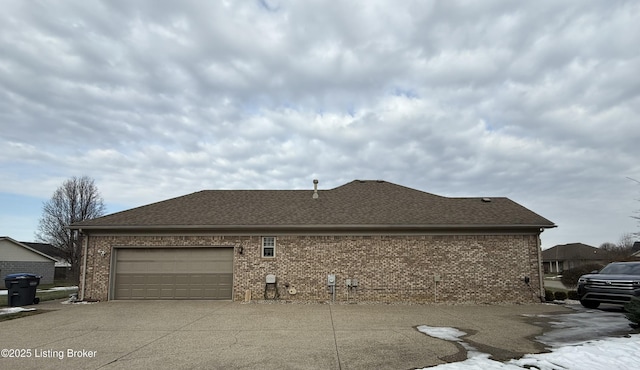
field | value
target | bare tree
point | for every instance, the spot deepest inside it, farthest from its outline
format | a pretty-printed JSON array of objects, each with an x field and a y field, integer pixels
[
  {"x": 78, "y": 199},
  {"x": 611, "y": 249},
  {"x": 626, "y": 241},
  {"x": 620, "y": 251},
  {"x": 608, "y": 246}
]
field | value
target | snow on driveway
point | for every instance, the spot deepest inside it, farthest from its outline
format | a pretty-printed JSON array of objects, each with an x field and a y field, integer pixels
[
  {"x": 584, "y": 325},
  {"x": 604, "y": 354},
  {"x": 577, "y": 341}
]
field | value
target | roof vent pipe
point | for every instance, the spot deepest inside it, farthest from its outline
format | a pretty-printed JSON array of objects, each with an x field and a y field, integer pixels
[{"x": 315, "y": 189}]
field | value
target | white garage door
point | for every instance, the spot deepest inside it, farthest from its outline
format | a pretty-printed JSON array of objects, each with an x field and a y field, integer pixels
[{"x": 174, "y": 273}]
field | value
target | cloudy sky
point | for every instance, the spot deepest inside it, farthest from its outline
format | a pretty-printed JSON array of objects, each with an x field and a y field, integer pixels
[{"x": 536, "y": 101}]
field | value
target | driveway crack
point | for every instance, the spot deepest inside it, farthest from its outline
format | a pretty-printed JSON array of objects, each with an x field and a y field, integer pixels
[
  {"x": 335, "y": 339},
  {"x": 159, "y": 338}
]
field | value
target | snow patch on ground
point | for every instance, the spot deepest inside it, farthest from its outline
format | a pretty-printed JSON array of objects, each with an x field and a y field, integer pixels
[
  {"x": 74, "y": 300},
  {"x": 10, "y": 310},
  {"x": 450, "y": 334},
  {"x": 610, "y": 353},
  {"x": 605, "y": 354}
]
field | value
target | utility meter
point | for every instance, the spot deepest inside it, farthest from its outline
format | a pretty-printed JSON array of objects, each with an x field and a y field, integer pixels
[
  {"x": 331, "y": 280},
  {"x": 271, "y": 279}
]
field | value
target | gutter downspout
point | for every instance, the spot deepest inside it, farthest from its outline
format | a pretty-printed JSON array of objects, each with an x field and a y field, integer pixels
[
  {"x": 83, "y": 273},
  {"x": 540, "y": 270}
]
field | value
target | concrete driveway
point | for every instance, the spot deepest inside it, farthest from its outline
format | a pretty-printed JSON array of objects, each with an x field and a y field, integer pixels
[{"x": 230, "y": 335}]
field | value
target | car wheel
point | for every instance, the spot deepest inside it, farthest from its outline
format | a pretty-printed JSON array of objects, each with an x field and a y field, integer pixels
[{"x": 590, "y": 304}]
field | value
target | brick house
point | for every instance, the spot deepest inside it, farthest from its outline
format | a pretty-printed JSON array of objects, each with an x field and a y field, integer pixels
[
  {"x": 62, "y": 266},
  {"x": 379, "y": 241},
  {"x": 567, "y": 256}
]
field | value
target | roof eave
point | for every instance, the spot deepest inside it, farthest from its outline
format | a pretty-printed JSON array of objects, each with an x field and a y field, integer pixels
[{"x": 342, "y": 227}]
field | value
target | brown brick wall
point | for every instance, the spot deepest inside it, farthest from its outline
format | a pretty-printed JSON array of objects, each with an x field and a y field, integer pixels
[{"x": 472, "y": 268}]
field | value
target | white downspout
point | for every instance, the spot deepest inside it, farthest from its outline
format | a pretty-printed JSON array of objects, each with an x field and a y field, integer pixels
[{"x": 540, "y": 269}]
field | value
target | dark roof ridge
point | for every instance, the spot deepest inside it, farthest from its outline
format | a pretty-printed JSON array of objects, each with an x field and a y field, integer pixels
[
  {"x": 354, "y": 182},
  {"x": 573, "y": 244}
]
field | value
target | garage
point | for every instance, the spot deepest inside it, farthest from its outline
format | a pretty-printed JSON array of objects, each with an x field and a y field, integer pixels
[{"x": 173, "y": 273}]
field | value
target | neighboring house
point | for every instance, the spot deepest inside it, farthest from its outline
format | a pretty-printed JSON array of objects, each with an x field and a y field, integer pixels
[
  {"x": 566, "y": 256},
  {"x": 375, "y": 240},
  {"x": 17, "y": 257},
  {"x": 62, "y": 266}
]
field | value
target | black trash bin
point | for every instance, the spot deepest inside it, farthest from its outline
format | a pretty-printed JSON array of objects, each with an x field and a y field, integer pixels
[{"x": 21, "y": 289}]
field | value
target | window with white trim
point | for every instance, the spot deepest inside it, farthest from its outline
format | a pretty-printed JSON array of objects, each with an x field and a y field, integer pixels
[{"x": 268, "y": 246}]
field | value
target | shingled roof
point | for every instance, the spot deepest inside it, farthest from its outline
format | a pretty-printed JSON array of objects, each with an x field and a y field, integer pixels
[
  {"x": 572, "y": 251},
  {"x": 47, "y": 249},
  {"x": 358, "y": 204}
]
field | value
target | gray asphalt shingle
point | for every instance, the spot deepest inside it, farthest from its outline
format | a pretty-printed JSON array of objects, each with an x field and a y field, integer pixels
[{"x": 357, "y": 203}]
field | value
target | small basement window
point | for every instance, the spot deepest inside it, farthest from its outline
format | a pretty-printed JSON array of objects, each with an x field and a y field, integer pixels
[{"x": 269, "y": 246}]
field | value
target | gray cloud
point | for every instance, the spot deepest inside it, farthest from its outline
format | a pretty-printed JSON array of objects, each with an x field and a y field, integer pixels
[{"x": 534, "y": 101}]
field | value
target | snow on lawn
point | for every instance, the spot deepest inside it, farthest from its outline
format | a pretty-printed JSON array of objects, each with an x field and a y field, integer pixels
[
  {"x": 10, "y": 310},
  {"x": 610, "y": 353},
  {"x": 54, "y": 289}
]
